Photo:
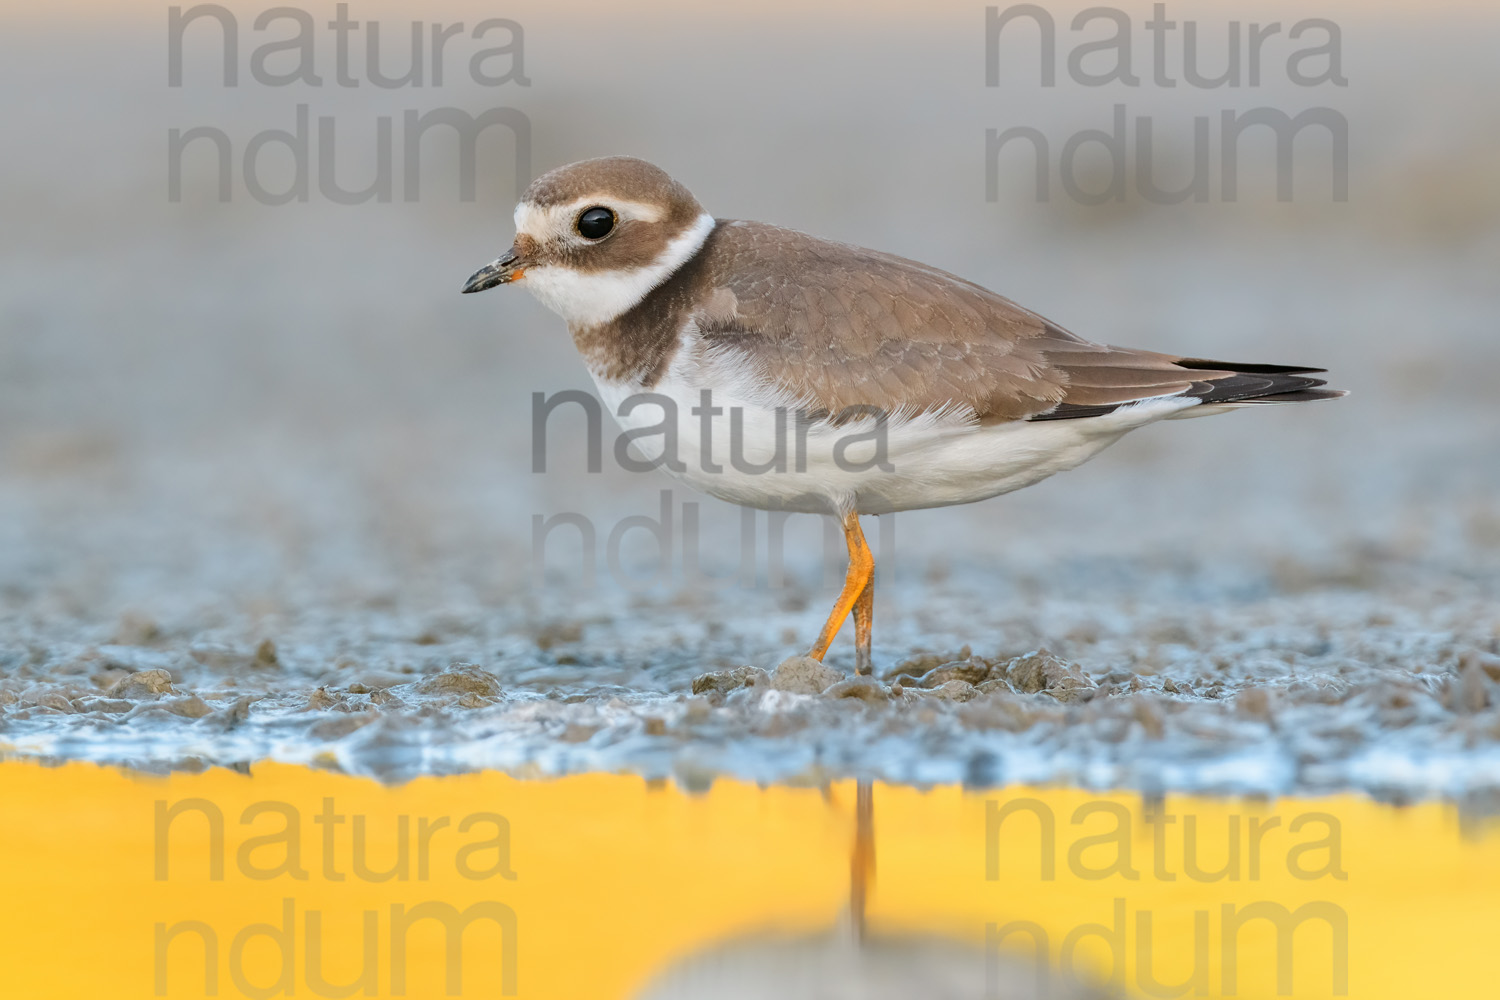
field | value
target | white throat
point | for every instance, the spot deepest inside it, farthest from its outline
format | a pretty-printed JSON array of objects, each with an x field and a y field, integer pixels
[{"x": 590, "y": 298}]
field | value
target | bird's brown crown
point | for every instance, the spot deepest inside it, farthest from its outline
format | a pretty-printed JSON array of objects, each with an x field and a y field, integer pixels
[{"x": 619, "y": 177}]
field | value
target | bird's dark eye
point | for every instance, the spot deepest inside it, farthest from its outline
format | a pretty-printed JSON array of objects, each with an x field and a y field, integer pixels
[{"x": 595, "y": 223}]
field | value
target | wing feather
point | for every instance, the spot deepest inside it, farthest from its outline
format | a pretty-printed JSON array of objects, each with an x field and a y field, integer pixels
[{"x": 832, "y": 326}]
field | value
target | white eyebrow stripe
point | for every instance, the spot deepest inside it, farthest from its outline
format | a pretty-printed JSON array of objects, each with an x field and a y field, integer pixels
[{"x": 538, "y": 222}]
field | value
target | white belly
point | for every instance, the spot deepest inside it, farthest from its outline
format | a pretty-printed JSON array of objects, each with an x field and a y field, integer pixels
[{"x": 748, "y": 455}]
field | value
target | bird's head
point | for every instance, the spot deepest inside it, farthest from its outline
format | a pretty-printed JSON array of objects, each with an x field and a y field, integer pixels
[{"x": 594, "y": 237}]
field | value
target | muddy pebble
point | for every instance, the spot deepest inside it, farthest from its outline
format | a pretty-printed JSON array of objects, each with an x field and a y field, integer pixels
[
  {"x": 804, "y": 675},
  {"x": 142, "y": 684},
  {"x": 370, "y": 682},
  {"x": 155, "y": 711},
  {"x": 954, "y": 690},
  {"x": 55, "y": 701},
  {"x": 320, "y": 700},
  {"x": 1043, "y": 672},
  {"x": 461, "y": 678},
  {"x": 732, "y": 679},
  {"x": 191, "y": 707},
  {"x": 862, "y": 687},
  {"x": 915, "y": 666},
  {"x": 971, "y": 672}
]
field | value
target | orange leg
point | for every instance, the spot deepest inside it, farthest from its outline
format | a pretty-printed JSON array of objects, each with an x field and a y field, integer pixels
[
  {"x": 864, "y": 622},
  {"x": 856, "y": 583}
]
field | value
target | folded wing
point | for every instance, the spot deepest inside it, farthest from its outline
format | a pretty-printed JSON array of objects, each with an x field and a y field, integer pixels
[{"x": 831, "y": 327}]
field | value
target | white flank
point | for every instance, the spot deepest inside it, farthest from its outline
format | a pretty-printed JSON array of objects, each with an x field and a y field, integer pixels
[{"x": 928, "y": 460}]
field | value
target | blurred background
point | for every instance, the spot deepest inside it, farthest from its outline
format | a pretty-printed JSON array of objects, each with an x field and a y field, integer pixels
[{"x": 224, "y": 422}]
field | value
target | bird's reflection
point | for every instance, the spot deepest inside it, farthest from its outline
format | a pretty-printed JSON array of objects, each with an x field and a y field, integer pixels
[
  {"x": 852, "y": 960},
  {"x": 862, "y": 859}
]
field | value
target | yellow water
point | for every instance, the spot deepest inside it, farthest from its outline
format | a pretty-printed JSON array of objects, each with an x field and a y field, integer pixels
[{"x": 606, "y": 880}]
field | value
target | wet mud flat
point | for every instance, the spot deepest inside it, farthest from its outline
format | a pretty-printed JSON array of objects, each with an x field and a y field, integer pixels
[{"x": 1159, "y": 683}]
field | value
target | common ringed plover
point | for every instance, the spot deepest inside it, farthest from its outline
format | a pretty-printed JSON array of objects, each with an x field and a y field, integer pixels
[{"x": 781, "y": 371}]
